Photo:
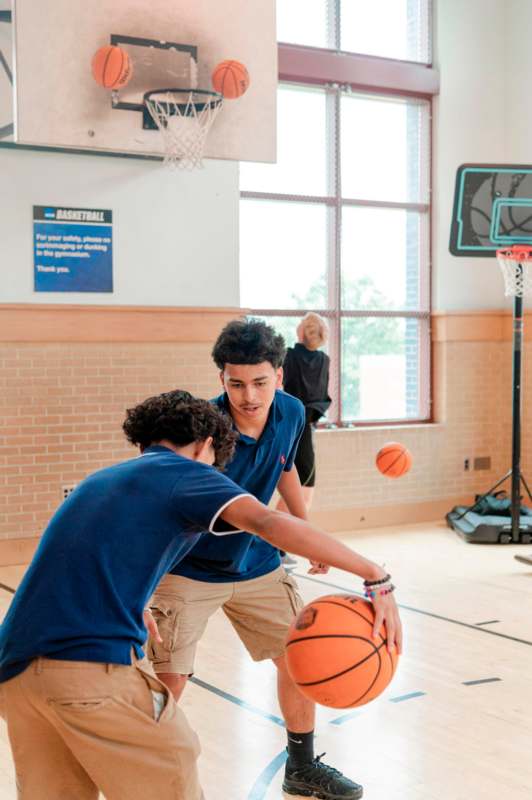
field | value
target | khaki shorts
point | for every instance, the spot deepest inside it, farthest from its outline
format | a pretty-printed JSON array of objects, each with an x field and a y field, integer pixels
[
  {"x": 77, "y": 728},
  {"x": 260, "y": 610}
]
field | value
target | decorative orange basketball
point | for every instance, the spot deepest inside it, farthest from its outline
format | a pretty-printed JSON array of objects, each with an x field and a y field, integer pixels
[
  {"x": 332, "y": 656},
  {"x": 393, "y": 460},
  {"x": 111, "y": 67},
  {"x": 231, "y": 79}
]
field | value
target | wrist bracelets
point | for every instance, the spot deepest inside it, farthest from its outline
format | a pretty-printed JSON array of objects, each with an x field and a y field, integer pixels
[
  {"x": 379, "y": 592},
  {"x": 386, "y": 579}
]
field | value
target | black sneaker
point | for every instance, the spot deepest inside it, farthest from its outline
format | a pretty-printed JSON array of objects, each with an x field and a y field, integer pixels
[
  {"x": 524, "y": 559},
  {"x": 320, "y": 781}
]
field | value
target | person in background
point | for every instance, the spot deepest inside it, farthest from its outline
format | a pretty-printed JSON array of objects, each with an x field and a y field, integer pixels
[{"x": 306, "y": 376}]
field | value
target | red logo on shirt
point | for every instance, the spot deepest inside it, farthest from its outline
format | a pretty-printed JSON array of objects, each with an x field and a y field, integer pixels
[{"x": 283, "y": 460}]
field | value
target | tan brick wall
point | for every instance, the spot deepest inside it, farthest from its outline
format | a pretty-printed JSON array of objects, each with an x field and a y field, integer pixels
[
  {"x": 472, "y": 412},
  {"x": 62, "y": 407},
  {"x": 62, "y": 404}
]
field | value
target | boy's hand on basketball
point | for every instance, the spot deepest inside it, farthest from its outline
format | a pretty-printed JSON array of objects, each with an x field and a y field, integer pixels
[
  {"x": 151, "y": 625},
  {"x": 317, "y": 568},
  {"x": 386, "y": 612}
]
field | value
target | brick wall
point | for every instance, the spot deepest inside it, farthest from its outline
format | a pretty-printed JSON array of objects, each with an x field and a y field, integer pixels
[
  {"x": 472, "y": 384},
  {"x": 62, "y": 407},
  {"x": 62, "y": 404}
]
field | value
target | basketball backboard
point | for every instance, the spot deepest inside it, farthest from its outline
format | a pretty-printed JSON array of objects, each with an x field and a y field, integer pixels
[
  {"x": 492, "y": 208},
  {"x": 171, "y": 44}
]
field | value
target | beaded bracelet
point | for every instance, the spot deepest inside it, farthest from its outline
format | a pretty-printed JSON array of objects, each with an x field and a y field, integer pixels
[
  {"x": 379, "y": 592},
  {"x": 386, "y": 579}
]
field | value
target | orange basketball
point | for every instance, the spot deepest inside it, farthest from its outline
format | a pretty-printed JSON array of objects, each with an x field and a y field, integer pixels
[
  {"x": 393, "y": 460},
  {"x": 231, "y": 79},
  {"x": 332, "y": 656},
  {"x": 111, "y": 67}
]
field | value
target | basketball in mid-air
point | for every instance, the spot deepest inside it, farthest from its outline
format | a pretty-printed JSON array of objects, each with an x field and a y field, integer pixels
[
  {"x": 111, "y": 67},
  {"x": 393, "y": 460},
  {"x": 230, "y": 79},
  {"x": 332, "y": 656}
]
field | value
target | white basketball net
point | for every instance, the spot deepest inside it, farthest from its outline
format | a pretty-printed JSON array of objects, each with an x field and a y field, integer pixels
[
  {"x": 184, "y": 120},
  {"x": 516, "y": 267}
]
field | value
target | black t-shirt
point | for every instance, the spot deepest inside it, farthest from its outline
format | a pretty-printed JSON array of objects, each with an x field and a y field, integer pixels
[{"x": 306, "y": 376}]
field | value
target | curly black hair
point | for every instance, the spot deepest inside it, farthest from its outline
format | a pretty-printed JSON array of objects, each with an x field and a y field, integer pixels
[
  {"x": 248, "y": 342},
  {"x": 182, "y": 419}
]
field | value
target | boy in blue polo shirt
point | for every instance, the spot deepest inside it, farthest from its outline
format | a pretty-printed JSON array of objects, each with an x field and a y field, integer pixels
[
  {"x": 244, "y": 575},
  {"x": 84, "y": 710}
]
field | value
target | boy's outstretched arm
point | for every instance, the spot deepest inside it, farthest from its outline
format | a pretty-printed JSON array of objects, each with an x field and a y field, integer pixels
[{"x": 297, "y": 536}]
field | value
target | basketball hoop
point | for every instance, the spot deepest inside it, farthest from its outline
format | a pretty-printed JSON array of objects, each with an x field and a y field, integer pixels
[
  {"x": 516, "y": 265},
  {"x": 184, "y": 117}
]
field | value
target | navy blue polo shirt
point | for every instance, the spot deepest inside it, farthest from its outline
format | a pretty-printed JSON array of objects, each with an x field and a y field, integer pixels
[
  {"x": 102, "y": 555},
  {"x": 257, "y": 466}
]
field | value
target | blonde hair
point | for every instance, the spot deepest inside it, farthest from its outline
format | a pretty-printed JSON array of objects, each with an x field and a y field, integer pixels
[{"x": 311, "y": 316}]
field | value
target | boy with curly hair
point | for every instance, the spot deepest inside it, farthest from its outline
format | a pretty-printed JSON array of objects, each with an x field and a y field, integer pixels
[{"x": 85, "y": 711}]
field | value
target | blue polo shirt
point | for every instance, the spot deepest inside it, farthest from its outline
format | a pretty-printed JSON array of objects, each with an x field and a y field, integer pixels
[
  {"x": 102, "y": 555},
  {"x": 257, "y": 466}
]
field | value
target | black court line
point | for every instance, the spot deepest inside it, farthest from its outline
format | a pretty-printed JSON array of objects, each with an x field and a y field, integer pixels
[
  {"x": 421, "y": 611},
  {"x": 482, "y": 680},
  {"x": 7, "y": 588},
  {"x": 489, "y": 622},
  {"x": 237, "y": 701}
]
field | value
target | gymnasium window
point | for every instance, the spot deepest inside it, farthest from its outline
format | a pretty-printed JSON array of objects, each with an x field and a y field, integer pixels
[{"x": 340, "y": 224}]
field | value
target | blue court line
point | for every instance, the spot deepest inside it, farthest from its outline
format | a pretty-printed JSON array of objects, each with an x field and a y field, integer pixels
[
  {"x": 237, "y": 701},
  {"x": 401, "y": 697},
  {"x": 420, "y": 611},
  {"x": 489, "y": 622},
  {"x": 345, "y": 717},
  {"x": 261, "y": 785},
  {"x": 482, "y": 680}
]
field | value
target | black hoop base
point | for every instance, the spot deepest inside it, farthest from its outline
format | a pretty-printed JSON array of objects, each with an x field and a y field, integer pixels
[{"x": 495, "y": 528}]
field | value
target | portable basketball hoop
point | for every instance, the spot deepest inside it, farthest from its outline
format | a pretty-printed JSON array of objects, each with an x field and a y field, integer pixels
[
  {"x": 184, "y": 118},
  {"x": 516, "y": 266},
  {"x": 515, "y": 262}
]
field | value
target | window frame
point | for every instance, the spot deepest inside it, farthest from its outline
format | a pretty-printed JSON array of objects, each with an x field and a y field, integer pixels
[{"x": 337, "y": 71}]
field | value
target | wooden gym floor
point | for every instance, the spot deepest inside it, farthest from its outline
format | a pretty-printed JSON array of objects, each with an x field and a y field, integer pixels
[{"x": 457, "y": 720}]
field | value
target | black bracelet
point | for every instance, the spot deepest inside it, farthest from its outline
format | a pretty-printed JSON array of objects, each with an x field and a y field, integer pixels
[{"x": 387, "y": 578}]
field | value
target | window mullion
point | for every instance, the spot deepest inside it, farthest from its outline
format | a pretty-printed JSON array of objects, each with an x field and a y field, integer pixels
[{"x": 334, "y": 247}]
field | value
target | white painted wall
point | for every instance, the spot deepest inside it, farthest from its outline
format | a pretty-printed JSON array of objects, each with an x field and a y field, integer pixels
[
  {"x": 472, "y": 38},
  {"x": 518, "y": 80},
  {"x": 175, "y": 234}
]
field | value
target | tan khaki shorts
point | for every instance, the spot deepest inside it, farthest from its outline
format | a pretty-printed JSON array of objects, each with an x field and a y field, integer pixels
[
  {"x": 260, "y": 610},
  {"x": 77, "y": 728}
]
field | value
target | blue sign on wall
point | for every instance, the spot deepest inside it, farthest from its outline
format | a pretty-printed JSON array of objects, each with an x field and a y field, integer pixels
[{"x": 73, "y": 249}]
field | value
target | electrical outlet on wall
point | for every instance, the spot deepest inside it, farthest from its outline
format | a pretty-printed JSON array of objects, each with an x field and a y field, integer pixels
[
  {"x": 68, "y": 490},
  {"x": 467, "y": 464}
]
